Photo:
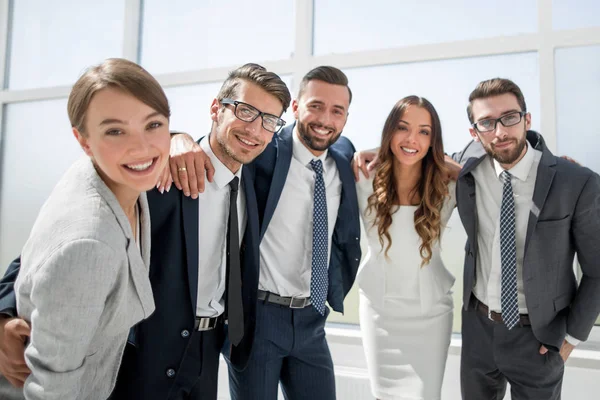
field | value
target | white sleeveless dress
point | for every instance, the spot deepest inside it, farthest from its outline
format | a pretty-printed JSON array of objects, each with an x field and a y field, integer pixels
[{"x": 406, "y": 310}]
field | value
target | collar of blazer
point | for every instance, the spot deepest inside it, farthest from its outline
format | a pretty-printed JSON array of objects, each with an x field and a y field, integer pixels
[
  {"x": 535, "y": 140},
  {"x": 98, "y": 184}
]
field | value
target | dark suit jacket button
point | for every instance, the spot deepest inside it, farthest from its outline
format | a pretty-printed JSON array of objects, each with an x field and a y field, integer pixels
[
  {"x": 170, "y": 372},
  {"x": 185, "y": 333}
]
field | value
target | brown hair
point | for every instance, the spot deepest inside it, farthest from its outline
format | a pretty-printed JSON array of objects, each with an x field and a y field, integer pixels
[
  {"x": 495, "y": 87},
  {"x": 121, "y": 74},
  {"x": 258, "y": 75},
  {"x": 432, "y": 186},
  {"x": 326, "y": 74}
]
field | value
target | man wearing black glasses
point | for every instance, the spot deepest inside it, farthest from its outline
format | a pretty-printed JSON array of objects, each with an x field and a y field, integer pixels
[
  {"x": 526, "y": 213},
  {"x": 309, "y": 249},
  {"x": 204, "y": 260}
]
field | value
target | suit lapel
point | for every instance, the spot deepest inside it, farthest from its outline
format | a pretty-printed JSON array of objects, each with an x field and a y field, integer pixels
[
  {"x": 543, "y": 182},
  {"x": 251, "y": 205},
  {"x": 189, "y": 209},
  {"x": 139, "y": 261},
  {"x": 280, "y": 171},
  {"x": 346, "y": 176}
]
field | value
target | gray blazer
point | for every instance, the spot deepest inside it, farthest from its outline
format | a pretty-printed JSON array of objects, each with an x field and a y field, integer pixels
[
  {"x": 564, "y": 220},
  {"x": 83, "y": 284}
]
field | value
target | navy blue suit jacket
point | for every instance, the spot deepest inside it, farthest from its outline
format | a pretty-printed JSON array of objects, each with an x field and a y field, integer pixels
[
  {"x": 159, "y": 342},
  {"x": 270, "y": 171}
]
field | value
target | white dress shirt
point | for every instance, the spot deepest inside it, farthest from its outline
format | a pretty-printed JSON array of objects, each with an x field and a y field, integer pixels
[
  {"x": 286, "y": 248},
  {"x": 212, "y": 235},
  {"x": 489, "y": 189}
]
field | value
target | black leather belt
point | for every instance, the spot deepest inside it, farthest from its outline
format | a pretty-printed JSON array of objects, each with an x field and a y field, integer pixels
[
  {"x": 291, "y": 302},
  {"x": 207, "y": 323},
  {"x": 497, "y": 317}
]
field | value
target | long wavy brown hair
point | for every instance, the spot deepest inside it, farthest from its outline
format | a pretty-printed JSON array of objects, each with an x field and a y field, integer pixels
[{"x": 432, "y": 187}]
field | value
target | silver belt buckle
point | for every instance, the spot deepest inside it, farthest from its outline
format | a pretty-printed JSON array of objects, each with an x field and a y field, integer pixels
[
  {"x": 296, "y": 306},
  {"x": 204, "y": 324},
  {"x": 490, "y": 314}
]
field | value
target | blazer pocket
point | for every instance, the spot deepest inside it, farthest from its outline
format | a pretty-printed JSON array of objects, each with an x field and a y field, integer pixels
[
  {"x": 554, "y": 222},
  {"x": 562, "y": 301}
]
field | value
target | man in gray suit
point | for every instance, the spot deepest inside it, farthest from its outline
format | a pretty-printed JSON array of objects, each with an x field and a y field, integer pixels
[{"x": 526, "y": 214}]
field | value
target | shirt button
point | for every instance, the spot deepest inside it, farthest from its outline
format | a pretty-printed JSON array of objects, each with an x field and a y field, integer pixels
[
  {"x": 170, "y": 372},
  {"x": 357, "y": 239},
  {"x": 185, "y": 333}
]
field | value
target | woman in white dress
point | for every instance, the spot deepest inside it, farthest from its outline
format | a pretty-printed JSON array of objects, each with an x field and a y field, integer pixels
[{"x": 405, "y": 298}]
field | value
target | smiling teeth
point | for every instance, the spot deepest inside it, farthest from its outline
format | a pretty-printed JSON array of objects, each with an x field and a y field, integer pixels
[
  {"x": 409, "y": 150},
  {"x": 246, "y": 142},
  {"x": 140, "y": 167},
  {"x": 321, "y": 131}
]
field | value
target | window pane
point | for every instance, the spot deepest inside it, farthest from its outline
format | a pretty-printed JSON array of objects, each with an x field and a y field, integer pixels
[
  {"x": 42, "y": 31},
  {"x": 447, "y": 84},
  {"x": 577, "y": 99},
  {"x": 38, "y": 149},
  {"x": 181, "y": 35},
  {"x": 573, "y": 14},
  {"x": 390, "y": 23},
  {"x": 190, "y": 107}
]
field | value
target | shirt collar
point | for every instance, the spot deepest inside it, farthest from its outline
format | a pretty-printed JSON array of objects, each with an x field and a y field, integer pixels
[
  {"x": 302, "y": 154},
  {"x": 222, "y": 175},
  {"x": 521, "y": 169}
]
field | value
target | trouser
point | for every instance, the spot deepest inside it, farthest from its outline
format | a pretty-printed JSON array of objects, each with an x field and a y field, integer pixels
[
  {"x": 492, "y": 355},
  {"x": 289, "y": 348}
]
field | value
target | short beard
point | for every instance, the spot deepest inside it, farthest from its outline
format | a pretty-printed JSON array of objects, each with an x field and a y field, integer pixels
[
  {"x": 227, "y": 150},
  {"x": 238, "y": 158},
  {"x": 310, "y": 143},
  {"x": 507, "y": 158}
]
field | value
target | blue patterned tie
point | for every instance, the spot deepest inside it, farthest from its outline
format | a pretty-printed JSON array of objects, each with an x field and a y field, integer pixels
[
  {"x": 508, "y": 255},
  {"x": 319, "y": 278}
]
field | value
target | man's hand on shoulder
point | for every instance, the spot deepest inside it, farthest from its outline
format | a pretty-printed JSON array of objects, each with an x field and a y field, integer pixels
[{"x": 13, "y": 336}]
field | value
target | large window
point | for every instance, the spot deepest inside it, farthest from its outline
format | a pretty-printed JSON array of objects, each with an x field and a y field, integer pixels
[
  {"x": 389, "y": 49},
  {"x": 182, "y": 35},
  {"x": 52, "y": 41},
  {"x": 373, "y": 25},
  {"x": 38, "y": 147}
]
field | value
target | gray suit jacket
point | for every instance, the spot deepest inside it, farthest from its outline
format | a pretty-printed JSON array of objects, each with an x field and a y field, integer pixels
[
  {"x": 83, "y": 284},
  {"x": 564, "y": 220}
]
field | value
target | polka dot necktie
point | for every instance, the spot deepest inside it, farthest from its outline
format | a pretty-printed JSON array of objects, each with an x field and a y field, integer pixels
[
  {"x": 319, "y": 278},
  {"x": 508, "y": 255}
]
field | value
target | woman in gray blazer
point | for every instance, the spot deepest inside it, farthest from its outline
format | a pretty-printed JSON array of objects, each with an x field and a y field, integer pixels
[{"x": 84, "y": 281}]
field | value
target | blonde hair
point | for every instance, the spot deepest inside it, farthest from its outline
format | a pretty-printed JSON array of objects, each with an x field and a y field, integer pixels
[{"x": 121, "y": 74}]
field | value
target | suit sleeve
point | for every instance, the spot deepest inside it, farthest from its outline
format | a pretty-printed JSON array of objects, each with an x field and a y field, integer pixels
[
  {"x": 8, "y": 301},
  {"x": 585, "y": 307},
  {"x": 67, "y": 295}
]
